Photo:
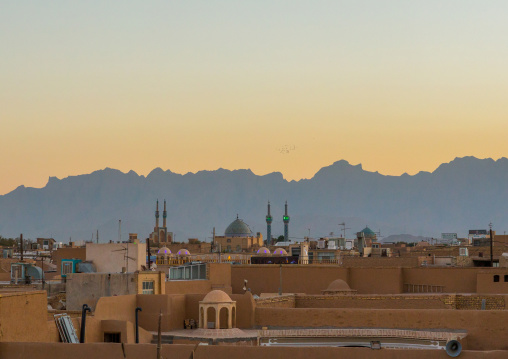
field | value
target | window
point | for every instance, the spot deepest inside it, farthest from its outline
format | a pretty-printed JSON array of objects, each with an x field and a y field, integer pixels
[
  {"x": 506, "y": 277},
  {"x": 148, "y": 287},
  {"x": 112, "y": 337},
  {"x": 66, "y": 267},
  {"x": 238, "y": 248},
  {"x": 496, "y": 278},
  {"x": 229, "y": 240}
]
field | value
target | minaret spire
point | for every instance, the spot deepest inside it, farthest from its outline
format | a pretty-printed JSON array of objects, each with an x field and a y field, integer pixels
[
  {"x": 157, "y": 215},
  {"x": 164, "y": 215},
  {"x": 286, "y": 223},
  {"x": 269, "y": 220}
]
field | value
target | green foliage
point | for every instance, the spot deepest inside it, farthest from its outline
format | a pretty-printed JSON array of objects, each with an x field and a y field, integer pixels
[
  {"x": 279, "y": 239},
  {"x": 8, "y": 242}
]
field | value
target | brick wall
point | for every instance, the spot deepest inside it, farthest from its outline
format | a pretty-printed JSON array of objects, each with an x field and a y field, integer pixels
[
  {"x": 425, "y": 301},
  {"x": 286, "y": 301},
  {"x": 374, "y": 301}
]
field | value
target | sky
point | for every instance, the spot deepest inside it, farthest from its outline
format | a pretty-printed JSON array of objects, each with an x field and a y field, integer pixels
[{"x": 287, "y": 86}]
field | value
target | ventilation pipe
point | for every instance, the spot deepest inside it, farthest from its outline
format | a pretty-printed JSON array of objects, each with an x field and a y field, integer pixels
[
  {"x": 85, "y": 309},
  {"x": 138, "y": 309}
]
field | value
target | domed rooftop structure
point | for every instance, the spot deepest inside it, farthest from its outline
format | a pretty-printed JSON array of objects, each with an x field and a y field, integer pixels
[
  {"x": 183, "y": 252},
  {"x": 263, "y": 250},
  {"x": 368, "y": 233},
  {"x": 164, "y": 250},
  {"x": 338, "y": 286},
  {"x": 280, "y": 252},
  {"x": 238, "y": 228},
  {"x": 216, "y": 296}
]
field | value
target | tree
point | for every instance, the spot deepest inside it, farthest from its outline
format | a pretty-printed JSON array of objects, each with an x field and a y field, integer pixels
[
  {"x": 280, "y": 239},
  {"x": 8, "y": 242}
]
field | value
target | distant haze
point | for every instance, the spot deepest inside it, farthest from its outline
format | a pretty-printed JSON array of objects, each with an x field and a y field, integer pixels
[{"x": 464, "y": 194}]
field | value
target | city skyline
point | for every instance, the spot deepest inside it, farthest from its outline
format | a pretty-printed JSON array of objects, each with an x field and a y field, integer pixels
[{"x": 288, "y": 87}]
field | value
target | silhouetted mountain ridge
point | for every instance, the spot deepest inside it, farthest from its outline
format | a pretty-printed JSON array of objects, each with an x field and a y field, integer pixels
[{"x": 463, "y": 194}]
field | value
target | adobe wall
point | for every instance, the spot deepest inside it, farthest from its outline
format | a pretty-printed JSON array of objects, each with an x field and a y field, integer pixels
[
  {"x": 188, "y": 286},
  {"x": 487, "y": 330},
  {"x": 485, "y": 282},
  {"x": 172, "y": 307},
  {"x": 110, "y": 257},
  {"x": 88, "y": 288},
  {"x": 92, "y": 350},
  {"x": 372, "y": 301},
  {"x": 401, "y": 301},
  {"x": 375, "y": 280},
  {"x": 295, "y": 278},
  {"x": 311, "y": 279},
  {"x": 126, "y": 329},
  {"x": 284, "y": 301},
  {"x": 220, "y": 276},
  {"x": 117, "y": 308},
  {"x": 247, "y": 352},
  {"x": 177, "y": 351},
  {"x": 22, "y": 316},
  {"x": 454, "y": 280},
  {"x": 369, "y": 262}
]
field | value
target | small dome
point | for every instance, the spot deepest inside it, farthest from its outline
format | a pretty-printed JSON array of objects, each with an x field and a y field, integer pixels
[
  {"x": 183, "y": 252},
  {"x": 238, "y": 228},
  {"x": 263, "y": 250},
  {"x": 280, "y": 252},
  {"x": 216, "y": 296},
  {"x": 338, "y": 285},
  {"x": 368, "y": 232},
  {"x": 164, "y": 250}
]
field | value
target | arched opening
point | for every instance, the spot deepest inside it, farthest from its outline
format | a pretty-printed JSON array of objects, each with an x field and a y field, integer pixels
[
  {"x": 224, "y": 320},
  {"x": 210, "y": 318}
]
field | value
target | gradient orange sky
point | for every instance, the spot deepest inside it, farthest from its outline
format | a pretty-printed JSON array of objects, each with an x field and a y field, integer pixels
[{"x": 395, "y": 85}]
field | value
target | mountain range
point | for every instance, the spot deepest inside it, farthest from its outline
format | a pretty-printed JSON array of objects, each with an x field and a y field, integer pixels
[{"x": 466, "y": 193}]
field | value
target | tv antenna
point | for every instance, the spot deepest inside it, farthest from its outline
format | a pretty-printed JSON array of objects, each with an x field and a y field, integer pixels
[{"x": 343, "y": 224}]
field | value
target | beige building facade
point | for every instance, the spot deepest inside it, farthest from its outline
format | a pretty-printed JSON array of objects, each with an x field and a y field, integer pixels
[{"x": 116, "y": 257}]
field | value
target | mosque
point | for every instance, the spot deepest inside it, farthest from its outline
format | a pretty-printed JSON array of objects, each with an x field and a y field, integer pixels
[
  {"x": 160, "y": 234},
  {"x": 238, "y": 237}
]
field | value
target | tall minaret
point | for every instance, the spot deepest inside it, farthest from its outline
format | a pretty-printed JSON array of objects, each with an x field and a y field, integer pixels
[
  {"x": 157, "y": 217},
  {"x": 286, "y": 223},
  {"x": 269, "y": 220},
  {"x": 164, "y": 215}
]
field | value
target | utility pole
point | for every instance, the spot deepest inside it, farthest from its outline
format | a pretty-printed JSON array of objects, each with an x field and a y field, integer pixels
[
  {"x": 21, "y": 246},
  {"x": 97, "y": 237},
  {"x": 159, "y": 335},
  {"x": 491, "y": 254},
  {"x": 148, "y": 252},
  {"x": 212, "y": 247}
]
